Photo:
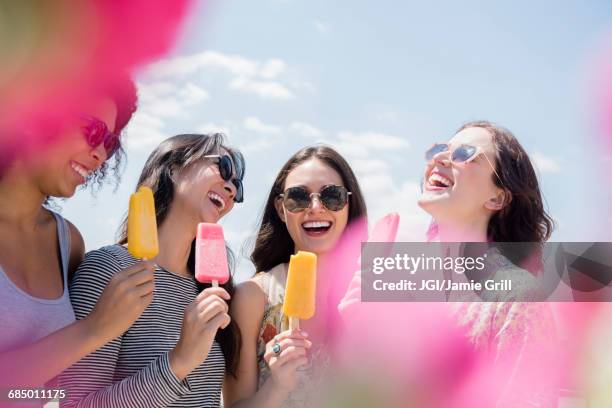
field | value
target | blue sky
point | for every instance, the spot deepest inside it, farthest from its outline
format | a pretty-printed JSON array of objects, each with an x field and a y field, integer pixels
[{"x": 381, "y": 81}]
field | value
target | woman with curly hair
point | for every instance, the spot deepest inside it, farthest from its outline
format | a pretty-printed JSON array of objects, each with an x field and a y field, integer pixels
[{"x": 39, "y": 249}]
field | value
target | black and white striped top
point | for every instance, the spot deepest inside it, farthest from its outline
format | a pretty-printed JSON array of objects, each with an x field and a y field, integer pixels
[{"x": 133, "y": 370}]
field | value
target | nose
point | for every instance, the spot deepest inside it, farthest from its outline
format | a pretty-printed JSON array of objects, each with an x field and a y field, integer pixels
[
  {"x": 315, "y": 205},
  {"x": 98, "y": 154},
  {"x": 442, "y": 158}
]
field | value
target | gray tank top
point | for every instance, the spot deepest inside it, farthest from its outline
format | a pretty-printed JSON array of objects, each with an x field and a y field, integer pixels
[{"x": 24, "y": 319}]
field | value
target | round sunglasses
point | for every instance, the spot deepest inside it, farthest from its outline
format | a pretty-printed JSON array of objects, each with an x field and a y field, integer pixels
[
  {"x": 226, "y": 170},
  {"x": 296, "y": 199},
  {"x": 96, "y": 133},
  {"x": 464, "y": 153}
]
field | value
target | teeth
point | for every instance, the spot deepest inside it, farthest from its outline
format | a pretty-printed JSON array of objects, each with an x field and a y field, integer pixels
[
  {"x": 317, "y": 224},
  {"x": 440, "y": 179},
  {"x": 80, "y": 169},
  {"x": 217, "y": 198}
]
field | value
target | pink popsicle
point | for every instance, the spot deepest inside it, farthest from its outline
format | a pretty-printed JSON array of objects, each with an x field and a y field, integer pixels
[
  {"x": 385, "y": 229},
  {"x": 211, "y": 255}
]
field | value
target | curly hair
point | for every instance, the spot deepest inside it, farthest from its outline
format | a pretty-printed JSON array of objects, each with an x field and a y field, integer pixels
[{"x": 124, "y": 95}]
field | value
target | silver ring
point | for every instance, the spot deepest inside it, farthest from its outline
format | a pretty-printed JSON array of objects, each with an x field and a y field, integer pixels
[{"x": 276, "y": 348}]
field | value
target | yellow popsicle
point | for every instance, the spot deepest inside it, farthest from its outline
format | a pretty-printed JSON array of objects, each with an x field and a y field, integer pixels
[
  {"x": 301, "y": 286},
  {"x": 142, "y": 226}
]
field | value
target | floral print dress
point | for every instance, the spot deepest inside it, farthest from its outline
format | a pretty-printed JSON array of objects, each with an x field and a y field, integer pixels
[
  {"x": 519, "y": 336},
  {"x": 274, "y": 321}
]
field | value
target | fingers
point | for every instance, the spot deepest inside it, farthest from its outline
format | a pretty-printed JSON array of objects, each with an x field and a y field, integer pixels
[
  {"x": 140, "y": 266},
  {"x": 290, "y": 334},
  {"x": 287, "y": 347},
  {"x": 140, "y": 277},
  {"x": 145, "y": 289},
  {"x": 286, "y": 356},
  {"x": 211, "y": 307},
  {"x": 217, "y": 291},
  {"x": 221, "y": 320}
]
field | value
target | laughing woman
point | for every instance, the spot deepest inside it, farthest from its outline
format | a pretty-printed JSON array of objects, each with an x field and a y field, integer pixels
[
  {"x": 314, "y": 198},
  {"x": 40, "y": 250},
  {"x": 178, "y": 352},
  {"x": 480, "y": 186}
]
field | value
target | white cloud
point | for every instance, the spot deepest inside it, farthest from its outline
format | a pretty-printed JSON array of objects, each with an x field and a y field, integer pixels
[
  {"x": 263, "y": 89},
  {"x": 322, "y": 27},
  {"x": 545, "y": 164},
  {"x": 259, "y": 77},
  {"x": 190, "y": 64},
  {"x": 192, "y": 94},
  {"x": 144, "y": 132},
  {"x": 306, "y": 130},
  {"x": 255, "y": 124},
  {"x": 164, "y": 99},
  {"x": 272, "y": 68}
]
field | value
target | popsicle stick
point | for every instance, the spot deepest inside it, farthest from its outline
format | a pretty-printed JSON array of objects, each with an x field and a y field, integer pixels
[
  {"x": 294, "y": 323},
  {"x": 215, "y": 283}
]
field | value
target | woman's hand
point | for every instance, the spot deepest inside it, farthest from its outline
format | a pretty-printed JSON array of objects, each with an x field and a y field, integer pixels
[
  {"x": 290, "y": 354},
  {"x": 203, "y": 317},
  {"x": 126, "y": 296}
]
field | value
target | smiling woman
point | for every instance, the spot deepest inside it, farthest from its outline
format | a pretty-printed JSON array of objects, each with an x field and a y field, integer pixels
[
  {"x": 178, "y": 352},
  {"x": 39, "y": 249},
  {"x": 314, "y": 198}
]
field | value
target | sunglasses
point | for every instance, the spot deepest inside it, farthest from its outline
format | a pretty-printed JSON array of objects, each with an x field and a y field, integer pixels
[
  {"x": 296, "y": 199},
  {"x": 462, "y": 154},
  {"x": 226, "y": 170},
  {"x": 96, "y": 133}
]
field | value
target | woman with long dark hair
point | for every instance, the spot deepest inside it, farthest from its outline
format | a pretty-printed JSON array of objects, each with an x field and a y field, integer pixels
[
  {"x": 480, "y": 186},
  {"x": 481, "y": 191},
  {"x": 179, "y": 351},
  {"x": 40, "y": 250},
  {"x": 313, "y": 199}
]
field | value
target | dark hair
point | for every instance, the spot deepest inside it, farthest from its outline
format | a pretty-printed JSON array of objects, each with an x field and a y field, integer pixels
[
  {"x": 123, "y": 93},
  {"x": 175, "y": 154},
  {"x": 523, "y": 219},
  {"x": 273, "y": 244}
]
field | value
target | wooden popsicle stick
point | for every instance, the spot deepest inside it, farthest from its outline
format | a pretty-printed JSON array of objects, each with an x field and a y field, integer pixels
[
  {"x": 294, "y": 323},
  {"x": 215, "y": 283}
]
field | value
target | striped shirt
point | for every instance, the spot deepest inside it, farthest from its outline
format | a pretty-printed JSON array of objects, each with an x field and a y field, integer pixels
[{"x": 133, "y": 370}]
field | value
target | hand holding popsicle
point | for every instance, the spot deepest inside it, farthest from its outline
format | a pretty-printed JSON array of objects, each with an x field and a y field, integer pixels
[
  {"x": 301, "y": 287},
  {"x": 211, "y": 255},
  {"x": 125, "y": 297},
  {"x": 203, "y": 317},
  {"x": 284, "y": 364}
]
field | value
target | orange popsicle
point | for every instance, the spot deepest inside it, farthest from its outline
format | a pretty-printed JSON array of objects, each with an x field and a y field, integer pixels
[
  {"x": 301, "y": 288},
  {"x": 142, "y": 226}
]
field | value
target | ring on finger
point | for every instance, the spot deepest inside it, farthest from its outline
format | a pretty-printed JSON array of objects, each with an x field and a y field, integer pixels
[{"x": 276, "y": 348}]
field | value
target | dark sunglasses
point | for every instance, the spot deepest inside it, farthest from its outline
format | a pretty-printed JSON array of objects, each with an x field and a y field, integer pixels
[
  {"x": 226, "y": 170},
  {"x": 462, "y": 154},
  {"x": 296, "y": 199},
  {"x": 96, "y": 133}
]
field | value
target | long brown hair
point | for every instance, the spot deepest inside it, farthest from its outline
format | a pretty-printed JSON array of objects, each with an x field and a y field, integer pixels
[
  {"x": 273, "y": 244},
  {"x": 175, "y": 154},
  {"x": 524, "y": 219}
]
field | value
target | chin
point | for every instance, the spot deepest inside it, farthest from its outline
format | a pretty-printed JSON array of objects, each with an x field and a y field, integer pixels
[{"x": 65, "y": 192}]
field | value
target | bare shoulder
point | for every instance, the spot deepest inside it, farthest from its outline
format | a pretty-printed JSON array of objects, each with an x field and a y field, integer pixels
[
  {"x": 249, "y": 298},
  {"x": 77, "y": 248}
]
